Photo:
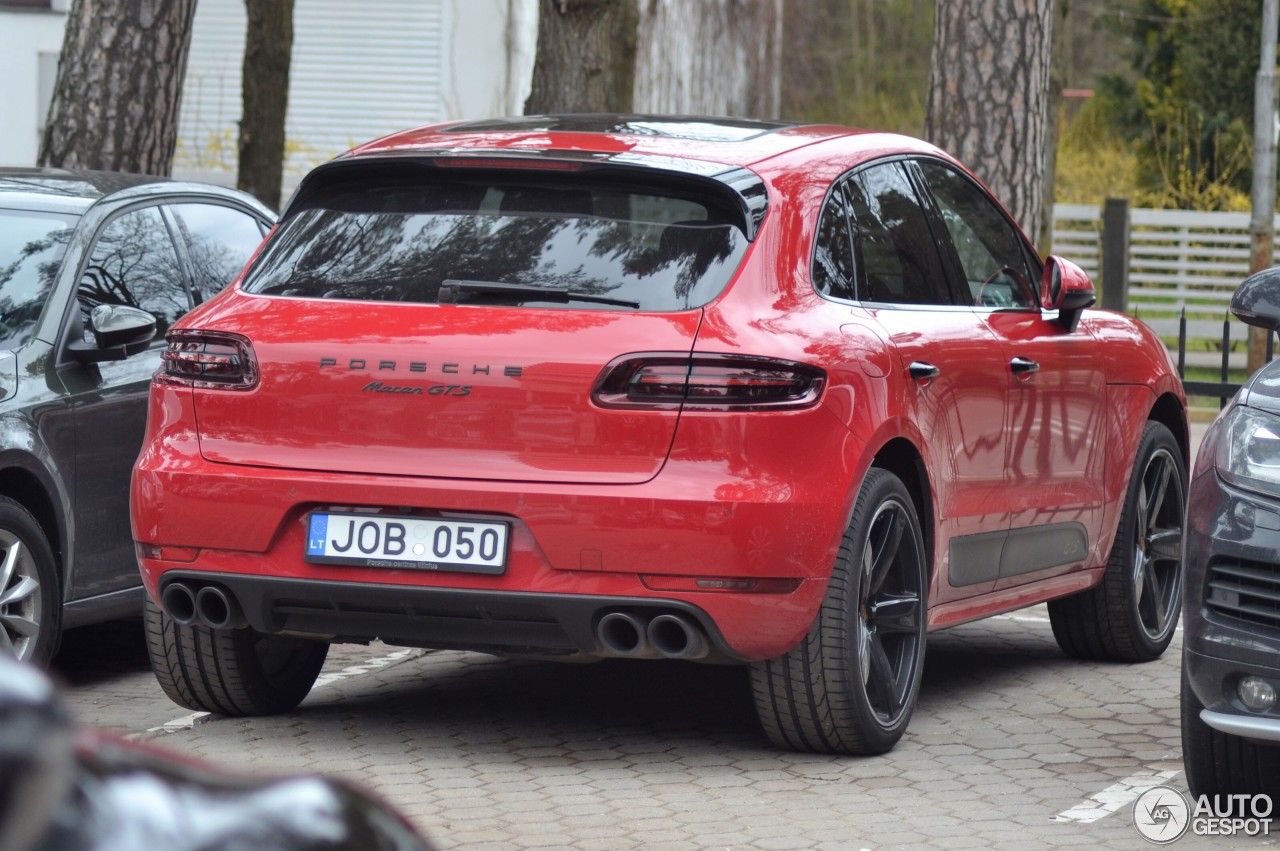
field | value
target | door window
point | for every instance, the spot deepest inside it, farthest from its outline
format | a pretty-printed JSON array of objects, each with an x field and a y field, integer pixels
[
  {"x": 219, "y": 240},
  {"x": 991, "y": 255},
  {"x": 133, "y": 262},
  {"x": 897, "y": 262}
]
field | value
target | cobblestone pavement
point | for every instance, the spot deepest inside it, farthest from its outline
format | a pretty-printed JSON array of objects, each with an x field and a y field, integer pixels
[{"x": 484, "y": 753}]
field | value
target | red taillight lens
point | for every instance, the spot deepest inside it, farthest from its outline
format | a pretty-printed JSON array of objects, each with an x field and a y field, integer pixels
[
  {"x": 209, "y": 359},
  {"x": 708, "y": 383}
]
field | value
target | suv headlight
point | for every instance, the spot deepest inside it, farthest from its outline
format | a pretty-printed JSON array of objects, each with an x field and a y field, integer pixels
[{"x": 1249, "y": 450}]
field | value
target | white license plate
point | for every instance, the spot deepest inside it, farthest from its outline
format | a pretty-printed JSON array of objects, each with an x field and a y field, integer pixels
[{"x": 421, "y": 543}]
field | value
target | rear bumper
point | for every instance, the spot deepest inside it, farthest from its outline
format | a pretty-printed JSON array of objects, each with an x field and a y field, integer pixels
[
  {"x": 462, "y": 618},
  {"x": 707, "y": 515}
]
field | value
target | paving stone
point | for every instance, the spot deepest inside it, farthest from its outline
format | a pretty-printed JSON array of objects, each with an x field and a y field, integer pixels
[{"x": 1008, "y": 734}]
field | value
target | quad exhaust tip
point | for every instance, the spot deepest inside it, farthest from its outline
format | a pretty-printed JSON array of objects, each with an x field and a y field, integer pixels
[
  {"x": 208, "y": 605},
  {"x": 665, "y": 636}
]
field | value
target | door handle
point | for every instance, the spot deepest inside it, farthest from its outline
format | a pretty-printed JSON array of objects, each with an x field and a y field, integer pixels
[
  {"x": 1023, "y": 366},
  {"x": 922, "y": 371}
]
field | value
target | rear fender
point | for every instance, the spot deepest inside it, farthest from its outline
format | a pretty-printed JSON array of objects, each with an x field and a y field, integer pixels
[{"x": 30, "y": 476}]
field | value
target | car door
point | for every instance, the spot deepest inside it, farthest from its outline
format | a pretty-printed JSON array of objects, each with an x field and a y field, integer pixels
[
  {"x": 953, "y": 363},
  {"x": 1053, "y": 378},
  {"x": 142, "y": 257}
]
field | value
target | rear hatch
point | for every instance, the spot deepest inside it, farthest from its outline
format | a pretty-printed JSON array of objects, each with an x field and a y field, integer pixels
[{"x": 412, "y": 319}]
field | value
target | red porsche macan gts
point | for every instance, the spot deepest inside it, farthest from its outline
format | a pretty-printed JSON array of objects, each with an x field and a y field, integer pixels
[{"x": 651, "y": 387}]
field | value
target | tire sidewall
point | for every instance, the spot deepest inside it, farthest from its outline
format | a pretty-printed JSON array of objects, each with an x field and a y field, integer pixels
[
  {"x": 1154, "y": 438},
  {"x": 879, "y": 488}
]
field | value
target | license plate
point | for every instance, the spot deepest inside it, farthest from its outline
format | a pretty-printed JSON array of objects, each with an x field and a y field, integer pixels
[{"x": 418, "y": 543}]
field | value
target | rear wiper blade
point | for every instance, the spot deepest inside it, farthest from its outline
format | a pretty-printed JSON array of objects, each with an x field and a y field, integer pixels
[{"x": 451, "y": 289}]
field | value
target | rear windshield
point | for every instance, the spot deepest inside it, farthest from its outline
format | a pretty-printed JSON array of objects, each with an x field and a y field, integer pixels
[
  {"x": 31, "y": 249},
  {"x": 502, "y": 240}
]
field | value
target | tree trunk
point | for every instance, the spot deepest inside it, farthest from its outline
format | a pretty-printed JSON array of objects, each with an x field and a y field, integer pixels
[
  {"x": 267, "y": 51},
  {"x": 115, "y": 103},
  {"x": 988, "y": 95},
  {"x": 712, "y": 57},
  {"x": 586, "y": 57}
]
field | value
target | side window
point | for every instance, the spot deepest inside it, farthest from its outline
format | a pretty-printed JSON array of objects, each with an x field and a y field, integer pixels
[
  {"x": 220, "y": 240},
  {"x": 133, "y": 262},
  {"x": 896, "y": 259},
  {"x": 991, "y": 254},
  {"x": 832, "y": 250}
]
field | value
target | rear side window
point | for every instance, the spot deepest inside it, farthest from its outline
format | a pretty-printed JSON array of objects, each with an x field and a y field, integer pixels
[{"x": 503, "y": 240}]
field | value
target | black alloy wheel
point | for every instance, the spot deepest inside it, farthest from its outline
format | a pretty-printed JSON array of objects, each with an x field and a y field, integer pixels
[{"x": 851, "y": 684}]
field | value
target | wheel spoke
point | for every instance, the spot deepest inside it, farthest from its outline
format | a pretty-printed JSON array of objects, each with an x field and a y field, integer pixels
[
  {"x": 25, "y": 587},
  {"x": 895, "y": 613},
  {"x": 1153, "y": 593},
  {"x": 883, "y": 543},
  {"x": 6, "y": 643},
  {"x": 1159, "y": 488},
  {"x": 882, "y": 681},
  {"x": 24, "y": 627},
  {"x": 1165, "y": 545},
  {"x": 10, "y": 565}
]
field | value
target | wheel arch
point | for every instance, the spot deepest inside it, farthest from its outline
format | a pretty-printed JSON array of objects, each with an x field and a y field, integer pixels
[
  {"x": 1169, "y": 411},
  {"x": 35, "y": 492},
  {"x": 901, "y": 457}
]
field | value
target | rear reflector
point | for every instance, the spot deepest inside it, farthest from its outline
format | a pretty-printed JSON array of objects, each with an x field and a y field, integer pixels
[
  {"x": 663, "y": 381},
  {"x": 710, "y": 583},
  {"x": 209, "y": 359}
]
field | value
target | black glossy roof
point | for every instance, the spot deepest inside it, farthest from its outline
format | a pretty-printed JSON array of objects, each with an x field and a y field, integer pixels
[{"x": 692, "y": 127}]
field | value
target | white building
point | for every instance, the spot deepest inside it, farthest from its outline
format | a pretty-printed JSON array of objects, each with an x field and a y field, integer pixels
[{"x": 359, "y": 70}]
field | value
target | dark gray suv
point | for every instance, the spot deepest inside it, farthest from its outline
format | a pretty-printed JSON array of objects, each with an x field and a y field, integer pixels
[{"x": 94, "y": 267}]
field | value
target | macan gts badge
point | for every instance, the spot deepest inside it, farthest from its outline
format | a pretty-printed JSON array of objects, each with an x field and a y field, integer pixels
[
  {"x": 446, "y": 368},
  {"x": 588, "y": 387}
]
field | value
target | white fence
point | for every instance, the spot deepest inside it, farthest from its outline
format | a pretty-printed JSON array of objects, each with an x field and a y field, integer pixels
[{"x": 1178, "y": 260}]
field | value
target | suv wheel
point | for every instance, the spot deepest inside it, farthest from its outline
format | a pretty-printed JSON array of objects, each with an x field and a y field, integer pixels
[
  {"x": 231, "y": 671},
  {"x": 30, "y": 608},
  {"x": 851, "y": 685},
  {"x": 1130, "y": 616}
]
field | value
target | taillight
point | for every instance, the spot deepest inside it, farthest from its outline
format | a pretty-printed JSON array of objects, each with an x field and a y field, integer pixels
[
  {"x": 661, "y": 381},
  {"x": 208, "y": 359}
]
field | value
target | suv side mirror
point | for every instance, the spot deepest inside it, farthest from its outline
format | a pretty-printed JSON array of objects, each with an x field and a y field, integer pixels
[
  {"x": 118, "y": 332},
  {"x": 1257, "y": 300},
  {"x": 1066, "y": 288}
]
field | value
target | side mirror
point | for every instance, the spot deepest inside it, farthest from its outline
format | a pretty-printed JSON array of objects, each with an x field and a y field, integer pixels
[
  {"x": 118, "y": 332},
  {"x": 1066, "y": 288},
  {"x": 1257, "y": 299}
]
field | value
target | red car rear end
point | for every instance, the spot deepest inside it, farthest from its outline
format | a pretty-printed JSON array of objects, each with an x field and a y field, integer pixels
[{"x": 549, "y": 392}]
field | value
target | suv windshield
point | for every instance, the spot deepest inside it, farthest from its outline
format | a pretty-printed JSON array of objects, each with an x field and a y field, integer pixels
[
  {"x": 31, "y": 249},
  {"x": 504, "y": 240}
]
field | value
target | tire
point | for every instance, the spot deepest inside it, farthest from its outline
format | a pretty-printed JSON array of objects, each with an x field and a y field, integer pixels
[
  {"x": 30, "y": 594},
  {"x": 1221, "y": 764},
  {"x": 1130, "y": 616},
  {"x": 850, "y": 686},
  {"x": 230, "y": 671}
]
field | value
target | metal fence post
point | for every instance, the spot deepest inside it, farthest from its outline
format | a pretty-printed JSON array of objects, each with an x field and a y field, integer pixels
[{"x": 1115, "y": 254}]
